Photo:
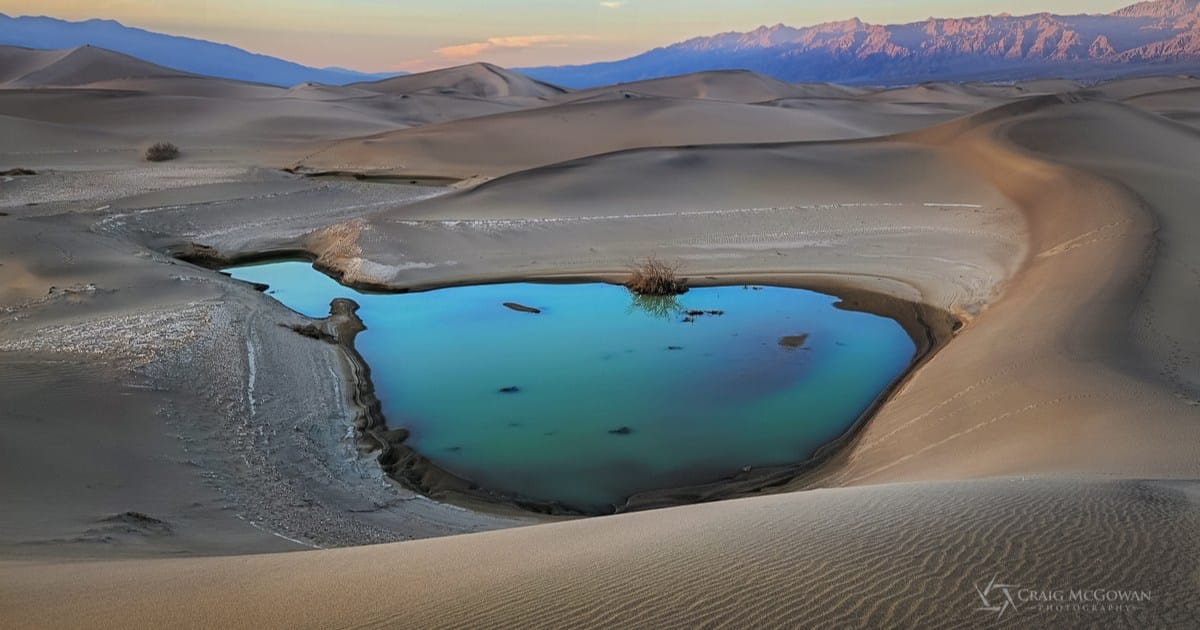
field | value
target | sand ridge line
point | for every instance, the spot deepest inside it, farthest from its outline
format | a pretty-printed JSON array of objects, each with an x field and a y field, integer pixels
[{"x": 655, "y": 215}]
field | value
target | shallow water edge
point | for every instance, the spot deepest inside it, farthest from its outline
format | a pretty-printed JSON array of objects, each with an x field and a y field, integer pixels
[{"x": 928, "y": 328}]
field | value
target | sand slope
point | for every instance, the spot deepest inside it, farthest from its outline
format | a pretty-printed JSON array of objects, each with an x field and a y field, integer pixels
[{"x": 896, "y": 556}]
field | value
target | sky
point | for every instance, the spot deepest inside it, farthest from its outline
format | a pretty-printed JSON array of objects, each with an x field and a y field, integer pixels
[{"x": 389, "y": 35}]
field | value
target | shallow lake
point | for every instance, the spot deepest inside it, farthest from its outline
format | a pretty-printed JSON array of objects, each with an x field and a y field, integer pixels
[{"x": 608, "y": 395}]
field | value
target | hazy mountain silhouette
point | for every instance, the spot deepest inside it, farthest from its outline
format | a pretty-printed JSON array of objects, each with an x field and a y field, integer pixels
[{"x": 181, "y": 53}]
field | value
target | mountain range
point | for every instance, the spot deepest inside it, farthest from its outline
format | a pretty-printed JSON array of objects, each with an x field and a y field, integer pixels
[
  {"x": 1156, "y": 37},
  {"x": 196, "y": 56}
]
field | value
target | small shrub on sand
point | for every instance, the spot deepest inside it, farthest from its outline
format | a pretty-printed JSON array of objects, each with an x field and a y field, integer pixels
[
  {"x": 656, "y": 277},
  {"x": 161, "y": 152}
]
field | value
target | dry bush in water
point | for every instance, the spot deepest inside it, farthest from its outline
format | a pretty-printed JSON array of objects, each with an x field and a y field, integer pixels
[
  {"x": 656, "y": 277},
  {"x": 161, "y": 152}
]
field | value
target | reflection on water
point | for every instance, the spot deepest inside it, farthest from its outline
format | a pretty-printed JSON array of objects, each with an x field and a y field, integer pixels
[{"x": 660, "y": 306}]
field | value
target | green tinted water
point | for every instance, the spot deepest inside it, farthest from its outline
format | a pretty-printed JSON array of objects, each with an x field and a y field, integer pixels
[{"x": 613, "y": 396}]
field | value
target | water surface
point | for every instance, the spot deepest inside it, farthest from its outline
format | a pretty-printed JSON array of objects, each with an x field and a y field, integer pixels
[{"x": 609, "y": 396}]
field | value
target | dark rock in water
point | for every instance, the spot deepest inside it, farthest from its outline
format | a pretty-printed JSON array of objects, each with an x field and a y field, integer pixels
[
  {"x": 688, "y": 320},
  {"x": 792, "y": 342},
  {"x": 521, "y": 308},
  {"x": 509, "y": 390},
  {"x": 718, "y": 313},
  {"x": 621, "y": 431}
]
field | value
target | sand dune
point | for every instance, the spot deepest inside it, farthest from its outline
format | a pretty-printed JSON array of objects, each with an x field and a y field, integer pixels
[
  {"x": 194, "y": 120},
  {"x": 1043, "y": 231},
  {"x": 478, "y": 80},
  {"x": 737, "y": 86},
  {"x": 16, "y": 62},
  {"x": 206, "y": 87},
  {"x": 1128, "y": 88},
  {"x": 1176, "y": 101},
  {"x": 951, "y": 93},
  {"x": 522, "y": 140},
  {"x": 77, "y": 66},
  {"x": 100, "y": 94}
]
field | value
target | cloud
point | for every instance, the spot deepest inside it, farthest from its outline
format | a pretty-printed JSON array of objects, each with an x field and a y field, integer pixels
[
  {"x": 519, "y": 42},
  {"x": 612, "y": 5}
]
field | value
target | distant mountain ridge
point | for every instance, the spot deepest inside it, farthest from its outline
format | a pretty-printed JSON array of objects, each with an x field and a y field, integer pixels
[
  {"x": 1148, "y": 37},
  {"x": 180, "y": 53},
  {"x": 1154, "y": 37}
]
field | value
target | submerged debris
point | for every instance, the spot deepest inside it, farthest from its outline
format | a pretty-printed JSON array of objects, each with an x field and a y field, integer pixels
[
  {"x": 621, "y": 431},
  {"x": 690, "y": 316},
  {"x": 512, "y": 389},
  {"x": 521, "y": 308},
  {"x": 792, "y": 342}
]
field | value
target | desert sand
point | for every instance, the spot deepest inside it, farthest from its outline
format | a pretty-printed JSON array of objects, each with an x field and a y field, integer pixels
[{"x": 166, "y": 436}]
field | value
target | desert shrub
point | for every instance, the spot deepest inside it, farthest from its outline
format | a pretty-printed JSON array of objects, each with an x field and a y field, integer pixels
[
  {"x": 161, "y": 152},
  {"x": 656, "y": 277}
]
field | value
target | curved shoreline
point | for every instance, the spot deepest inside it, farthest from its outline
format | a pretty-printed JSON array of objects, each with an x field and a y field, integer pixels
[{"x": 928, "y": 327}]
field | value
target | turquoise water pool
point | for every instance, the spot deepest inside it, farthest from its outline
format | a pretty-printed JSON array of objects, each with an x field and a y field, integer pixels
[{"x": 601, "y": 395}]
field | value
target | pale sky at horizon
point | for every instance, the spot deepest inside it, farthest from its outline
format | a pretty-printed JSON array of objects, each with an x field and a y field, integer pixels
[{"x": 387, "y": 35}]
